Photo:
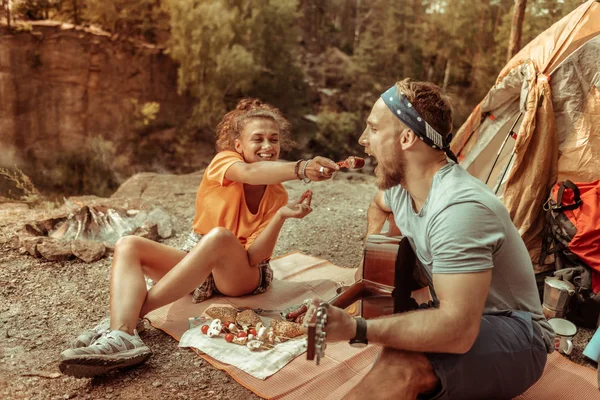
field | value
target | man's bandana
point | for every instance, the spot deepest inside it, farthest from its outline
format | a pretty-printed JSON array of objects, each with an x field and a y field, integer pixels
[{"x": 403, "y": 110}]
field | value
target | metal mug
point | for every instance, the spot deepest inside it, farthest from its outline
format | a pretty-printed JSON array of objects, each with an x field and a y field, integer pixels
[{"x": 556, "y": 296}]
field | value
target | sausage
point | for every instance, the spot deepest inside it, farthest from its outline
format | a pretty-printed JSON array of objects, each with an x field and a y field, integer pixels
[
  {"x": 292, "y": 315},
  {"x": 299, "y": 318}
]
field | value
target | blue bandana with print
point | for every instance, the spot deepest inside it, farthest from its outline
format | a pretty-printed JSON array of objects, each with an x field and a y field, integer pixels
[{"x": 403, "y": 110}]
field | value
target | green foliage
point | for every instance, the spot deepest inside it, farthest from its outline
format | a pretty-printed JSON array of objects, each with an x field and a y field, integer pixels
[
  {"x": 337, "y": 134},
  {"x": 233, "y": 48},
  {"x": 148, "y": 19},
  {"x": 88, "y": 169},
  {"x": 144, "y": 114},
  {"x": 35, "y": 9}
]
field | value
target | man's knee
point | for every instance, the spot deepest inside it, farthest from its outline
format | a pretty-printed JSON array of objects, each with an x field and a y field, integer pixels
[{"x": 411, "y": 368}]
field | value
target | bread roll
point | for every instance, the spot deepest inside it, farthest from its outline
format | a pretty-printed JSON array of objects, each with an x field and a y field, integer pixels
[
  {"x": 225, "y": 314},
  {"x": 248, "y": 318},
  {"x": 286, "y": 329}
]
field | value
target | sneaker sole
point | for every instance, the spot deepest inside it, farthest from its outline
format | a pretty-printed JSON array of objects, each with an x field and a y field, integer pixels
[{"x": 87, "y": 367}]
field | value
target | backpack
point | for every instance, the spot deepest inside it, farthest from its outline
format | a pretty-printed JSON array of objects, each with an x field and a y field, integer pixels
[{"x": 572, "y": 234}]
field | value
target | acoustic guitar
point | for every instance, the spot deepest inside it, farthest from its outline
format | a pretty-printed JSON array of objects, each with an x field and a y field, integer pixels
[{"x": 388, "y": 278}]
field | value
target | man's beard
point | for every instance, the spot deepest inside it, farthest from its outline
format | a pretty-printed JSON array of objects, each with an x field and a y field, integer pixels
[{"x": 390, "y": 174}]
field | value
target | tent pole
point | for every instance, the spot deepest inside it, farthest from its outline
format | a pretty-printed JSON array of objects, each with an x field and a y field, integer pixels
[
  {"x": 502, "y": 147},
  {"x": 504, "y": 172}
]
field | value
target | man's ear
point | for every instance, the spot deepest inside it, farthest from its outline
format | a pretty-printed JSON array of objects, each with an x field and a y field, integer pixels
[
  {"x": 408, "y": 139},
  {"x": 237, "y": 145}
]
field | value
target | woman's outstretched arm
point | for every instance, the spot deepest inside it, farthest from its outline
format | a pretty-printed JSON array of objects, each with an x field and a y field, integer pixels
[{"x": 273, "y": 172}]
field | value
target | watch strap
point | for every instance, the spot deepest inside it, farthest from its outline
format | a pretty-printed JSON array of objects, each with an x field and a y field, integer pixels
[{"x": 361, "y": 331}]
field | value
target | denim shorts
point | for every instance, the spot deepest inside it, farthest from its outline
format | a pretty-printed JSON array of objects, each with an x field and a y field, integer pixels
[
  {"x": 506, "y": 359},
  {"x": 209, "y": 288}
]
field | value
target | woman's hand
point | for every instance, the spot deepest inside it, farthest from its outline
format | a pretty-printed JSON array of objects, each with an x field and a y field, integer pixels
[
  {"x": 340, "y": 325},
  {"x": 320, "y": 169},
  {"x": 298, "y": 208}
]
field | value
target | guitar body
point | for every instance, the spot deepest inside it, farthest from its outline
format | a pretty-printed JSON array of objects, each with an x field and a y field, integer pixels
[{"x": 385, "y": 257}]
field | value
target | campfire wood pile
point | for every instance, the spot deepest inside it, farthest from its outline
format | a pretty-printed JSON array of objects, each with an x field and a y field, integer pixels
[{"x": 90, "y": 231}]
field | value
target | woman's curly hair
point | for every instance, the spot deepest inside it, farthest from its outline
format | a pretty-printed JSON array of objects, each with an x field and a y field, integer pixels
[{"x": 232, "y": 124}]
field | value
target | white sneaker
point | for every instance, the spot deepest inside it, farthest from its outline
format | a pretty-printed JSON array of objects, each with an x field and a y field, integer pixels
[
  {"x": 88, "y": 337},
  {"x": 112, "y": 350}
]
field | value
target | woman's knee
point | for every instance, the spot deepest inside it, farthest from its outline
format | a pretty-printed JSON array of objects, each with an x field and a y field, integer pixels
[
  {"x": 128, "y": 245},
  {"x": 218, "y": 239}
]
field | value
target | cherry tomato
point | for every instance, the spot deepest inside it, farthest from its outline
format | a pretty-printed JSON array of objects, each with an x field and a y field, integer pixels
[
  {"x": 252, "y": 331},
  {"x": 242, "y": 334},
  {"x": 204, "y": 329},
  {"x": 229, "y": 337}
]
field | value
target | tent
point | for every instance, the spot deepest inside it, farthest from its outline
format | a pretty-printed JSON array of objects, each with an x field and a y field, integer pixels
[{"x": 540, "y": 122}]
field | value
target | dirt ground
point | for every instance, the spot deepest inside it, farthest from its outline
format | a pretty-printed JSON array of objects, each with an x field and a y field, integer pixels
[{"x": 46, "y": 304}]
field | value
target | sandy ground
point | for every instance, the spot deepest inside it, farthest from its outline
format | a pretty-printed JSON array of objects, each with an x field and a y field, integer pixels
[{"x": 46, "y": 304}]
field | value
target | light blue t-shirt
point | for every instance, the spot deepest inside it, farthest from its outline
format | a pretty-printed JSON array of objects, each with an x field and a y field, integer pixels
[{"x": 463, "y": 227}]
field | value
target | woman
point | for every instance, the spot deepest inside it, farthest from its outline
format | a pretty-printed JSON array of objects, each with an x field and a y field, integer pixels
[{"x": 240, "y": 209}]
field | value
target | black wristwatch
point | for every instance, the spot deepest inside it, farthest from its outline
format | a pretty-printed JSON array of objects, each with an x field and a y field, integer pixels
[{"x": 360, "y": 340}]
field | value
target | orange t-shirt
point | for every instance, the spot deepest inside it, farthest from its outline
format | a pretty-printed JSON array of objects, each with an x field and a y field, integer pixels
[{"x": 221, "y": 202}]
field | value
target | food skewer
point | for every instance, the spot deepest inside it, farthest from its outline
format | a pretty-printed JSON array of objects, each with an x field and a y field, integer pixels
[{"x": 352, "y": 162}]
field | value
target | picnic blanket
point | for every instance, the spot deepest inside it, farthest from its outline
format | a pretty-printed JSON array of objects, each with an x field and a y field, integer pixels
[{"x": 299, "y": 276}]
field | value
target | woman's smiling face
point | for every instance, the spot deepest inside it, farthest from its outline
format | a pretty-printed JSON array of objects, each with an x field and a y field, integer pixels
[{"x": 259, "y": 140}]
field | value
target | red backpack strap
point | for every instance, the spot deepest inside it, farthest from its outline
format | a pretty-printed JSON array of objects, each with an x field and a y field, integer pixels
[{"x": 567, "y": 184}]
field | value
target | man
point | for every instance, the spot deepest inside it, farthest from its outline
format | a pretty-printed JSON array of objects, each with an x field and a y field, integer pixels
[{"x": 486, "y": 336}]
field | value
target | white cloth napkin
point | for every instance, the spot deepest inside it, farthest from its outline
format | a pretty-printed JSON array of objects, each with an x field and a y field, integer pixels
[{"x": 260, "y": 364}]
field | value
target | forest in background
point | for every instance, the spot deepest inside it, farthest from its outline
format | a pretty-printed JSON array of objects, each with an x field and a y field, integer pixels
[{"x": 323, "y": 62}]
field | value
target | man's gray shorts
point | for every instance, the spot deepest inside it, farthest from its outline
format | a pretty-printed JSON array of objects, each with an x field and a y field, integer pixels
[{"x": 507, "y": 357}]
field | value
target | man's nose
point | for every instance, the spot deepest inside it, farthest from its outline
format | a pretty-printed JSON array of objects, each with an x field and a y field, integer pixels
[
  {"x": 266, "y": 144},
  {"x": 362, "y": 140}
]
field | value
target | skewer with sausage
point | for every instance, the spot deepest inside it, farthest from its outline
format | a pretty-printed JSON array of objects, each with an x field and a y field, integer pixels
[{"x": 352, "y": 162}]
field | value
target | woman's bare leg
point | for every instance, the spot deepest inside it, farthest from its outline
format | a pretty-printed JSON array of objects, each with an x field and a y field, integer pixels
[
  {"x": 135, "y": 257},
  {"x": 175, "y": 273},
  {"x": 219, "y": 252}
]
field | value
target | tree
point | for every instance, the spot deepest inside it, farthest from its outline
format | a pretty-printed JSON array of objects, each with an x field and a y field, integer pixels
[
  {"x": 514, "y": 44},
  {"x": 36, "y": 9},
  {"x": 6, "y": 8},
  {"x": 146, "y": 19}
]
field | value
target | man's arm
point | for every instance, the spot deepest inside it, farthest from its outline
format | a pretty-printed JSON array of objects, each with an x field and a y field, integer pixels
[
  {"x": 451, "y": 328},
  {"x": 377, "y": 214}
]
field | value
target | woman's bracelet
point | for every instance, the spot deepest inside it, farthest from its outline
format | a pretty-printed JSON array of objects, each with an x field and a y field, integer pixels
[
  {"x": 297, "y": 169},
  {"x": 306, "y": 179}
]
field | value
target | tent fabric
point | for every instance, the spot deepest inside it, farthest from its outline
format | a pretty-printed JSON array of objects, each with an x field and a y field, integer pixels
[{"x": 550, "y": 92}]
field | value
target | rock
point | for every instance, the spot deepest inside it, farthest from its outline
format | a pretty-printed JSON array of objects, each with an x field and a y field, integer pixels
[
  {"x": 109, "y": 247},
  {"x": 163, "y": 222},
  {"x": 30, "y": 245},
  {"x": 148, "y": 230},
  {"x": 157, "y": 384},
  {"x": 90, "y": 97},
  {"x": 87, "y": 250},
  {"x": 54, "y": 250}
]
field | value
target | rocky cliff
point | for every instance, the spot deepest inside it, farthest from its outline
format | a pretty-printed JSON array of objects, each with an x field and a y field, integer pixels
[{"x": 61, "y": 85}]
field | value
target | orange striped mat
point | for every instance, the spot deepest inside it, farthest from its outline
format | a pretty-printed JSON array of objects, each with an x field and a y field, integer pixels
[{"x": 299, "y": 276}]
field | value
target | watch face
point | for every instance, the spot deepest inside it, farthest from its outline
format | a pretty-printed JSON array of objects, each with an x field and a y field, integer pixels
[{"x": 358, "y": 344}]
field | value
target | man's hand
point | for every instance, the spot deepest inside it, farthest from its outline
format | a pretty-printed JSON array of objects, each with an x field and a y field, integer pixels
[
  {"x": 298, "y": 208},
  {"x": 340, "y": 325}
]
